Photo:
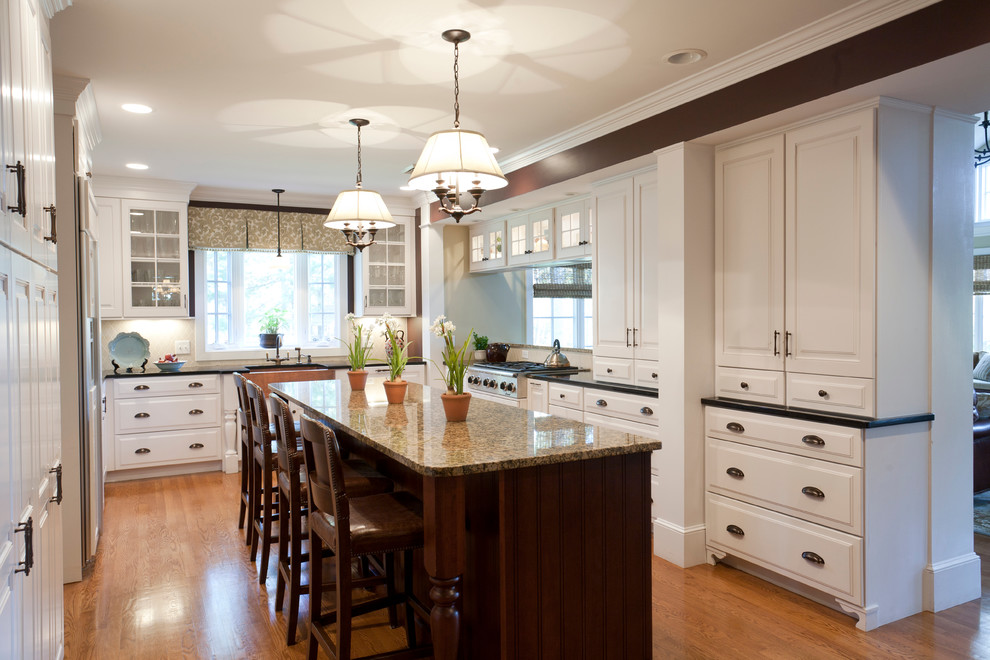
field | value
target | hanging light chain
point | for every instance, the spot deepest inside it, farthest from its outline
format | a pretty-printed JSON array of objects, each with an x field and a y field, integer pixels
[
  {"x": 457, "y": 88},
  {"x": 359, "y": 156}
]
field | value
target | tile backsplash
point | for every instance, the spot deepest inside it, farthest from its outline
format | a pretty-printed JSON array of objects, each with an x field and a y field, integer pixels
[{"x": 160, "y": 333}]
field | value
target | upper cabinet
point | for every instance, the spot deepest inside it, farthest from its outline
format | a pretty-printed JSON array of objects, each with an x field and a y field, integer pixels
[
  {"x": 486, "y": 245},
  {"x": 573, "y": 229},
  {"x": 530, "y": 237},
  {"x": 111, "y": 267},
  {"x": 387, "y": 272},
  {"x": 156, "y": 258}
]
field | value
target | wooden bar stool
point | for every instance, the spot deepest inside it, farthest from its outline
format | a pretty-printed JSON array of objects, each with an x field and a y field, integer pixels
[
  {"x": 263, "y": 492},
  {"x": 356, "y": 527},
  {"x": 360, "y": 480},
  {"x": 244, "y": 430}
]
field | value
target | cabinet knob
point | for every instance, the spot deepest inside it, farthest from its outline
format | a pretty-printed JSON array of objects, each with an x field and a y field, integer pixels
[
  {"x": 813, "y": 440},
  {"x": 142, "y": 415},
  {"x": 601, "y": 403},
  {"x": 811, "y": 491},
  {"x": 142, "y": 450},
  {"x": 527, "y": 252},
  {"x": 484, "y": 258},
  {"x": 735, "y": 427},
  {"x": 813, "y": 557},
  {"x": 195, "y": 384},
  {"x": 646, "y": 410},
  {"x": 654, "y": 375},
  {"x": 608, "y": 370},
  {"x": 744, "y": 385},
  {"x": 562, "y": 396},
  {"x": 142, "y": 387},
  {"x": 735, "y": 529},
  {"x": 195, "y": 411},
  {"x": 582, "y": 242},
  {"x": 823, "y": 394},
  {"x": 196, "y": 445},
  {"x": 735, "y": 472}
]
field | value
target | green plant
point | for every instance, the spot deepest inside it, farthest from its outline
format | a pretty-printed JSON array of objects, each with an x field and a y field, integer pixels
[
  {"x": 274, "y": 319},
  {"x": 398, "y": 356},
  {"x": 453, "y": 357},
  {"x": 359, "y": 348},
  {"x": 480, "y": 342}
]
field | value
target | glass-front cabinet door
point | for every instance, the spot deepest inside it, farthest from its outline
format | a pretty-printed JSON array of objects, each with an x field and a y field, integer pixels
[
  {"x": 156, "y": 259},
  {"x": 388, "y": 272},
  {"x": 485, "y": 245},
  {"x": 573, "y": 229}
]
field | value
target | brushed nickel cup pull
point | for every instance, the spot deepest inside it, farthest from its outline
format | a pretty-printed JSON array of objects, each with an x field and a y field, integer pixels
[
  {"x": 744, "y": 385},
  {"x": 735, "y": 427},
  {"x": 735, "y": 529},
  {"x": 195, "y": 384},
  {"x": 142, "y": 416},
  {"x": 142, "y": 387},
  {"x": 735, "y": 472},
  {"x": 811, "y": 491},
  {"x": 813, "y": 440},
  {"x": 142, "y": 450},
  {"x": 814, "y": 558},
  {"x": 822, "y": 393},
  {"x": 601, "y": 403},
  {"x": 196, "y": 445},
  {"x": 646, "y": 410},
  {"x": 195, "y": 411}
]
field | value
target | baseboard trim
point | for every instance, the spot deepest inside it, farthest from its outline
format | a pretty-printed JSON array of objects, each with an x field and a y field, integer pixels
[
  {"x": 952, "y": 582},
  {"x": 231, "y": 462},
  {"x": 683, "y": 546},
  {"x": 163, "y": 471}
]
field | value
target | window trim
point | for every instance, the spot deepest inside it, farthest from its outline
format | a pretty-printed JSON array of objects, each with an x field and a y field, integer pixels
[{"x": 200, "y": 351}]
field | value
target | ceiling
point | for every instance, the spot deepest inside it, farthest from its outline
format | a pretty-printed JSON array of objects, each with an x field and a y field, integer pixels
[{"x": 249, "y": 95}]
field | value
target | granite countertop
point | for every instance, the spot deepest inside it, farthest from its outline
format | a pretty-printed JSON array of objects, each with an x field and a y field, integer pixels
[
  {"x": 585, "y": 379},
  {"x": 852, "y": 421},
  {"x": 207, "y": 368},
  {"x": 494, "y": 437}
]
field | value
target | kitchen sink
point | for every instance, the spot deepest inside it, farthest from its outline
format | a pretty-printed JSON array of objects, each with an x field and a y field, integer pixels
[{"x": 286, "y": 365}]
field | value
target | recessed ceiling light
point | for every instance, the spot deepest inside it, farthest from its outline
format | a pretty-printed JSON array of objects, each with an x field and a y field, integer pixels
[
  {"x": 137, "y": 166},
  {"x": 406, "y": 188},
  {"x": 494, "y": 150},
  {"x": 685, "y": 56},
  {"x": 136, "y": 108}
]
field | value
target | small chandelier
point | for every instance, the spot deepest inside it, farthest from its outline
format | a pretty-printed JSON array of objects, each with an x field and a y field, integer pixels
[
  {"x": 359, "y": 213},
  {"x": 983, "y": 153},
  {"x": 457, "y": 161}
]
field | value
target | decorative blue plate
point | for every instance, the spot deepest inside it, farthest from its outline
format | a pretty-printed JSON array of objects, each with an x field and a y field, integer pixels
[{"x": 129, "y": 350}]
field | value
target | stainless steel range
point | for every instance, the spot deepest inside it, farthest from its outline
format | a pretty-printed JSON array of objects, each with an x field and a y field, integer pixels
[{"x": 505, "y": 382}]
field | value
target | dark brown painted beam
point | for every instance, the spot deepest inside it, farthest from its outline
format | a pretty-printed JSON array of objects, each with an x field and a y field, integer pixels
[
  {"x": 940, "y": 30},
  {"x": 257, "y": 207}
]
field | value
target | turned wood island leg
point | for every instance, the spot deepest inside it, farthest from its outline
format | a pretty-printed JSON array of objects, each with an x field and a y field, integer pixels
[{"x": 444, "y": 522}]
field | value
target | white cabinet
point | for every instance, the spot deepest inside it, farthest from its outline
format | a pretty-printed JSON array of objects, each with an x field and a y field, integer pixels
[
  {"x": 111, "y": 279},
  {"x": 485, "y": 246},
  {"x": 626, "y": 316},
  {"x": 572, "y": 229},
  {"x": 156, "y": 260},
  {"x": 530, "y": 238},
  {"x": 387, "y": 277},
  {"x": 537, "y": 398}
]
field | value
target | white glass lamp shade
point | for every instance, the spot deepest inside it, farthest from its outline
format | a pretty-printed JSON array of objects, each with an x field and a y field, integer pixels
[
  {"x": 359, "y": 208},
  {"x": 459, "y": 158}
]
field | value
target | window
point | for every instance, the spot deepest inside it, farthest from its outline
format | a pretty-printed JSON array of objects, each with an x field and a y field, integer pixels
[
  {"x": 559, "y": 303},
  {"x": 239, "y": 287},
  {"x": 981, "y": 265},
  {"x": 983, "y": 193}
]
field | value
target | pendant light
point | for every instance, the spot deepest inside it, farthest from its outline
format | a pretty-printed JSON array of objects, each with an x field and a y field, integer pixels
[
  {"x": 983, "y": 153},
  {"x": 457, "y": 161},
  {"x": 359, "y": 213},
  {"x": 278, "y": 219}
]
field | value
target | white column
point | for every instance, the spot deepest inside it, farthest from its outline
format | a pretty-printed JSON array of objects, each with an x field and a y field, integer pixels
[{"x": 432, "y": 279}]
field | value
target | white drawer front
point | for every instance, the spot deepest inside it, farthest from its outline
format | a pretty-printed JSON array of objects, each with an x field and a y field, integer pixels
[
  {"x": 634, "y": 408},
  {"x": 142, "y": 386},
  {"x": 750, "y": 385},
  {"x": 612, "y": 370},
  {"x": 626, "y": 426},
  {"x": 826, "y": 441},
  {"x": 851, "y": 396},
  {"x": 823, "y": 492},
  {"x": 574, "y": 414},
  {"x": 646, "y": 373},
  {"x": 780, "y": 543},
  {"x": 167, "y": 413},
  {"x": 568, "y": 396},
  {"x": 150, "y": 449}
]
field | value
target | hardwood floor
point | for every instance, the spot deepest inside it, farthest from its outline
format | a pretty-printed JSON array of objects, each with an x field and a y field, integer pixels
[{"x": 172, "y": 580}]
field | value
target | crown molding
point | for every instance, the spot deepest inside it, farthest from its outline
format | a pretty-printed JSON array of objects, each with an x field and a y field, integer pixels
[
  {"x": 146, "y": 189},
  {"x": 832, "y": 29}
]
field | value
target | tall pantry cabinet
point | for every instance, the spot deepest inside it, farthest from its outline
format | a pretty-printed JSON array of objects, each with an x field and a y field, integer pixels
[{"x": 30, "y": 426}]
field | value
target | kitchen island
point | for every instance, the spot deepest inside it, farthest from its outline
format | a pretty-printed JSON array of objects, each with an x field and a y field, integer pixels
[{"x": 537, "y": 527}]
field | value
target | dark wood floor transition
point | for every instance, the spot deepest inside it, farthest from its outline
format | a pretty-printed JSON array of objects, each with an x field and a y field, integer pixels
[{"x": 172, "y": 580}]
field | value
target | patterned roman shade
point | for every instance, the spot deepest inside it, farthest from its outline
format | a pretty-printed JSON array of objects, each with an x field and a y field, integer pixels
[
  {"x": 255, "y": 231},
  {"x": 562, "y": 281},
  {"x": 981, "y": 274}
]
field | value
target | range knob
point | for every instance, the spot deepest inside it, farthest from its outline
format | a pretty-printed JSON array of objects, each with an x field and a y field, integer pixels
[
  {"x": 501, "y": 385},
  {"x": 486, "y": 382},
  {"x": 493, "y": 384},
  {"x": 510, "y": 387}
]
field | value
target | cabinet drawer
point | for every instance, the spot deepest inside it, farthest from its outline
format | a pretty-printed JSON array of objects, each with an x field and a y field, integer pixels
[
  {"x": 149, "y": 449},
  {"x": 623, "y": 406},
  {"x": 646, "y": 373},
  {"x": 612, "y": 370},
  {"x": 851, "y": 396},
  {"x": 144, "y": 386},
  {"x": 635, "y": 428},
  {"x": 568, "y": 396},
  {"x": 827, "y": 493},
  {"x": 825, "y": 441},
  {"x": 750, "y": 385},
  {"x": 166, "y": 413},
  {"x": 788, "y": 546},
  {"x": 573, "y": 414}
]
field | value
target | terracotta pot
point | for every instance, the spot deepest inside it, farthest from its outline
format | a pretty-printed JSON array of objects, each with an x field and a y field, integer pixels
[
  {"x": 357, "y": 379},
  {"x": 395, "y": 391},
  {"x": 455, "y": 406}
]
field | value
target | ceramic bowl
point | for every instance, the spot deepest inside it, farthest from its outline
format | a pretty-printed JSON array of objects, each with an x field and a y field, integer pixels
[{"x": 169, "y": 366}]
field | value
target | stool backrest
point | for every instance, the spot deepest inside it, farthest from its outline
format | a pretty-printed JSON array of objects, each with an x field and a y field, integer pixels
[
  {"x": 285, "y": 436},
  {"x": 325, "y": 471},
  {"x": 243, "y": 405},
  {"x": 259, "y": 415}
]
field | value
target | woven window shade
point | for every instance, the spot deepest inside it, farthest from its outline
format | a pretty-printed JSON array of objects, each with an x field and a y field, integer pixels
[
  {"x": 249, "y": 230},
  {"x": 562, "y": 281},
  {"x": 981, "y": 274}
]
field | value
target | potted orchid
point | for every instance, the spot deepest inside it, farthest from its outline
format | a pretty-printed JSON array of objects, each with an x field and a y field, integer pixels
[
  {"x": 358, "y": 351},
  {"x": 396, "y": 357},
  {"x": 455, "y": 399}
]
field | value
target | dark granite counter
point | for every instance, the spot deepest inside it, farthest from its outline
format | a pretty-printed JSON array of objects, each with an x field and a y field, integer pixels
[
  {"x": 585, "y": 379},
  {"x": 207, "y": 368},
  {"x": 852, "y": 421}
]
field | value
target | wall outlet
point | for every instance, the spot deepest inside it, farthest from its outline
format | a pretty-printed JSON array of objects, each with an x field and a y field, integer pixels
[
  {"x": 182, "y": 347},
  {"x": 525, "y": 355}
]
